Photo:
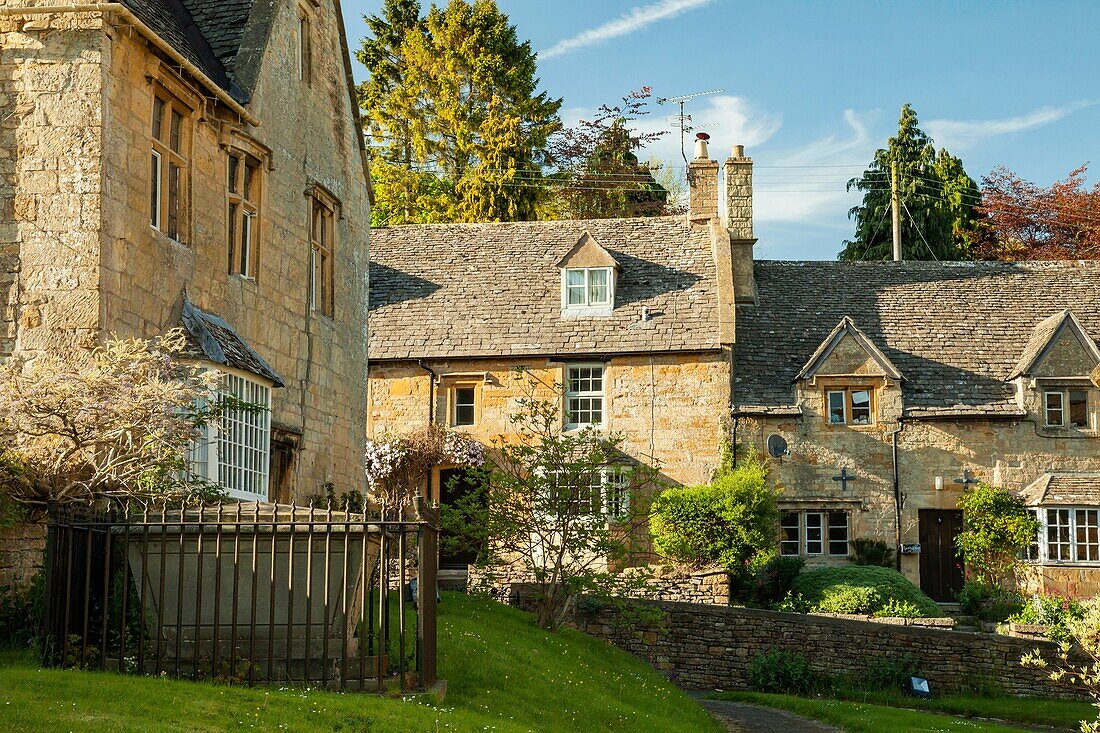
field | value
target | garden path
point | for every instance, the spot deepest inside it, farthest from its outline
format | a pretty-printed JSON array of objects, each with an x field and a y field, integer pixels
[{"x": 740, "y": 717}]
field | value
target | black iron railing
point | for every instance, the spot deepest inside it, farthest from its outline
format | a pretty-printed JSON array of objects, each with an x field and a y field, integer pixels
[{"x": 243, "y": 593}]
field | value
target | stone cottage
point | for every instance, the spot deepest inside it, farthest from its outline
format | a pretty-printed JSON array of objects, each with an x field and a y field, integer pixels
[
  {"x": 196, "y": 163},
  {"x": 883, "y": 389},
  {"x": 627, "y": 323}
]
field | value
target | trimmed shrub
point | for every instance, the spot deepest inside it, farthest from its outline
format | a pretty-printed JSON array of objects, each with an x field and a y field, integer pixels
[
  {"x": 726, "y": 522},
  {"x": 780, "y": 671},
  {"x": 863, "y": 589},
  {"x": 866, "y": 551},
  {"x": 989, "y": 602}
]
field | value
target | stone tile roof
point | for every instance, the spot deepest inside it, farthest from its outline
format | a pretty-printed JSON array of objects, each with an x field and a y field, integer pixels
[
  {"x": 1052, "y": 489},
  {"x": 466, "y": 290},
  {"x": 955, "y": 330},
  {"x": 209, "y": 33},
  {"x": 212, "y": 339}
]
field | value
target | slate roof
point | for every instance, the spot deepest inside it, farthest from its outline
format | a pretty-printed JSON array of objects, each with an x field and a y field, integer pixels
[
  {"x": 468, "y": 290},
  {"x": 212, "y": 339},
  {"x": 1053, "y": 489},
  {"x": 210, "y": 34},
  {"x": 955, "y": 330}
]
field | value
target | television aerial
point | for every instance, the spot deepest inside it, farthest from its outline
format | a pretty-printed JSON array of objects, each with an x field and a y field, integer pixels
[{"x": 682, "y": 121}]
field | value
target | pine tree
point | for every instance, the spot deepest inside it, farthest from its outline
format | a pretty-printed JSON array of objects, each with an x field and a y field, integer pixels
[
  {"x": 937, "y": 200},
  {"x": 453, "y": 95}
]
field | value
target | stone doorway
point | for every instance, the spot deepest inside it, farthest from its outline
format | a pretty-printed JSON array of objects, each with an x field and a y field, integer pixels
[
  {"x": 941, "y": 569},
  {"x": 454, "y": 484}
]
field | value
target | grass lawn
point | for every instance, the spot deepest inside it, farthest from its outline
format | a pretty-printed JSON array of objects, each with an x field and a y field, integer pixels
[
  {"x": 504, "y": 675},
  {"x": 886, "y": 715}
]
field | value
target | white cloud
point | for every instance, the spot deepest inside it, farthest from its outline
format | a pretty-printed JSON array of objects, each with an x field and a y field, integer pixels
[
  {"x": 633, "y": 20},
  {"x": 727, "y": 119},
  {"x": 961, "y": 134},
  {"x": 807, "y": 184}
]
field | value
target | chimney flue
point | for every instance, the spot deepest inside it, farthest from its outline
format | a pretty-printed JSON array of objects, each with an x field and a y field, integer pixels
[
  {"x": 738, "y": 151},
  {"x": 738, "y": 171},
  {"x": 702, "y": 183}
]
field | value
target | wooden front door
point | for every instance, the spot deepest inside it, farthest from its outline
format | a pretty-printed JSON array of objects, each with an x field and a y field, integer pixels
[{"x": 941, "y": 569}]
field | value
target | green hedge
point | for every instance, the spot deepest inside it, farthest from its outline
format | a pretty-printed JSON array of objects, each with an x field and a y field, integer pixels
[{"x": 862, "y": 589}]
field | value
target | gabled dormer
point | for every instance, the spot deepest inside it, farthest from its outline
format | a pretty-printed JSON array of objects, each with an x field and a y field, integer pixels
[
  {"x": 1053, "y": 375},
  {"x": 847, "y": 375},
  {"x": 588, "y": 277}
]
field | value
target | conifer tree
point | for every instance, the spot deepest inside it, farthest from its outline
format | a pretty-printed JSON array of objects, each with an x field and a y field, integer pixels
[
  {"x": 454, "y": 109},
  {"x": 937, "y": 200}
]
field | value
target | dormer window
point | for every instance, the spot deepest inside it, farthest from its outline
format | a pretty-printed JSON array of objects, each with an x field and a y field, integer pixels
[
  {"x": 588, "y": 275},
  {"x": 1066, "y": 408},
  {"x": 588, "y": 286}
]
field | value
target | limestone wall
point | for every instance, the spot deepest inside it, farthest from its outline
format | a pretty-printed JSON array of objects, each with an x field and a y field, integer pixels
[
  {"x": 668, "y": 408},
  {"x": 22, "y": 552},
  {"x": 711, "y": 647},
  {"x": 51, "y": 148}
]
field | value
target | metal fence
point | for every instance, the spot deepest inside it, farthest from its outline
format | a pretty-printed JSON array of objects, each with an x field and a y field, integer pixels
[{"x": 244, "y": 593}]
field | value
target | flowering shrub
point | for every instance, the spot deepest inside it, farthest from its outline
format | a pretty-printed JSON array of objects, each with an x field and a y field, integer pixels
[
  {"x": 1083, "y": 629},
  {"x": 1053, "y": 611},
  {"x": 396, "y": 465}
]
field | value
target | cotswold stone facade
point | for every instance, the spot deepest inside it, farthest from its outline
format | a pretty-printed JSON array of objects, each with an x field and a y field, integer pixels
[
  {"x": 252, "y": 133},
  {"x": 971, "y": 369}
]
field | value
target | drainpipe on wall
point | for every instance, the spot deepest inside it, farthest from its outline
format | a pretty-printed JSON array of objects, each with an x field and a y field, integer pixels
[
  {"x": 431, "y": 390},
  {"x": 897, "y": 495}
]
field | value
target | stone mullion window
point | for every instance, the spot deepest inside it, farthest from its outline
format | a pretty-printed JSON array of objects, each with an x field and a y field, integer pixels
[
  {"x": 304, "y": 51},
  {"x": 814, "y": 533},
  {"x": 244, "y": 188},
  {"x": 170, "y": 132},
  {"x": 322, "y": 243}
]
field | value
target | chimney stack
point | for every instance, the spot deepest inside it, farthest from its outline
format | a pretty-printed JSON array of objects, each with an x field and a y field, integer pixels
[
  {"x": 703, "y": 183},
  {"x": 738, "y": 171}
]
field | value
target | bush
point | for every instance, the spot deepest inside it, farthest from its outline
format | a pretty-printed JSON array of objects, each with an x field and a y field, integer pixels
[
  {"x": 866, "y": 588},
  {"x": 768, "y": 579},
  {"x": 866, "y": 551},
  {"x": 780, "y": 671},
  {"x": 21, "y": 615},
  {"x": 989, "y": 602},
  {"x": 726, "y": 522},
  {"x": 894, "y": 608},
  {"x": 888, "y": 673},
  {"x": 996, "y": 528},
  {"x": 1056, "y": 613}
]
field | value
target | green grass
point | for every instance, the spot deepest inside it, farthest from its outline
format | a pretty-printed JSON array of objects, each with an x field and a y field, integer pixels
[
  {"x": 504, "y": 675},
  {"x": 855, "y": 717},
  {"x": 1059, "y": 714}
]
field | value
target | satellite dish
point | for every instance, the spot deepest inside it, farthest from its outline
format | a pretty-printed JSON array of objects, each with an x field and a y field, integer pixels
[{"x": 777, "y": 446}]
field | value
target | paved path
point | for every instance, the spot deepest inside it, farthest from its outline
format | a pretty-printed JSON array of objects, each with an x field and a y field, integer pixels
[{"x": 740, "y": 717}]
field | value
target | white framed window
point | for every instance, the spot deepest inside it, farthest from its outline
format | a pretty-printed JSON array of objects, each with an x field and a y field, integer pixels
[
  {"x": 234, "y": 451},
  {"x": 1058, "y": 534},
  {"x": 1067, "y": 408},
  {"x": 605, "y": 493},
  {"x": 584, "y": 395},
  {"x": 814, "y": 533},
  {"x": 838, "y": 408},
  {"x": 588, "y": 291},
  {"x": 154, "y": 190},
  {"x": 463, "y": 405},
  {"x": 849, "y": 406}
]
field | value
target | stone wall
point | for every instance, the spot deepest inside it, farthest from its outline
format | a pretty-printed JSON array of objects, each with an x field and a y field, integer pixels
[
  {"x": 712, "y": 587},
  {"x": 667, "y": 407},
  {"x": 22, "y": 552},
  {"x": 710, "y": 647}
]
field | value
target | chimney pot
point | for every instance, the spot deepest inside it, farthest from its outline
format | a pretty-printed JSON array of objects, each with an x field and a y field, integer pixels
[
  {"x": 738, "y": 151},
  {"x": 701, "y": 152}
]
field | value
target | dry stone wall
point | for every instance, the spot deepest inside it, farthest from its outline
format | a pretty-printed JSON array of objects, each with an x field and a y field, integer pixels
[
  {"x": 711, "y": 647},
  {"x": 22, "y": 550}
]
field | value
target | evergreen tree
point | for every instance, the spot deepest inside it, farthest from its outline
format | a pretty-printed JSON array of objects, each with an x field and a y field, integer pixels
[
  {"x": 937, "y": 200},
  {"x": 453, "y": 100}
]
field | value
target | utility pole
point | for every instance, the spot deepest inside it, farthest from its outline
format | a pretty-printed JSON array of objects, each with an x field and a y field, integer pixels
[{"x": 895, "y": 209}]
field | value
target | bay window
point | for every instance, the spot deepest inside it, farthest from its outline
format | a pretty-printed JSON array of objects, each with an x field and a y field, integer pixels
[{"x": 233, "y": 451}]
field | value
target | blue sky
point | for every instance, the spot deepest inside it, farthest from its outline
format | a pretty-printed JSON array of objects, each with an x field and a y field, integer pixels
[{"x": 811, "y": 89}]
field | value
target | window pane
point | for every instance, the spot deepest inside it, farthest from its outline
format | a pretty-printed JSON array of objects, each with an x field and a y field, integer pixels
[
  {"x": 154, "y": 191},
  {"x": 158, "y": 117},
  {"x": 1054, "y": 408},
  {"x": 574, "y": 287},
  {"x": 1087, "y": 539},
  {"x": 788, "y": 533},
  {"x": 1058, "y": 539},
  {"x": 814, "y": 533},
  {"x": 173, "y": 200},
  {"x": 598, "y": 288},
  {"x": 234, "y": 174},
  {"x": 836, "y": 408},
  {"x": 232, "y": 238},
  {"x": 249, "y": 181},
  {"x": 861, "y": 407},
  {"x": 617, "y": 491},
  {"x": 838, "y": 533},
  {"x": 175, "y": 135},
  {"x": 1079, "y": 408},
  {"x": 246, "y": 244},
  {"x": 464, "y": 405}
]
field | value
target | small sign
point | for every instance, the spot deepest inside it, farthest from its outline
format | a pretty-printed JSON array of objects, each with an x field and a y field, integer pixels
[{"x": 913, "y": 548}]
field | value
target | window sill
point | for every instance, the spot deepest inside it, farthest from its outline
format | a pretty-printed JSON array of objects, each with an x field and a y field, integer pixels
[{"x": 586, "y": 311}]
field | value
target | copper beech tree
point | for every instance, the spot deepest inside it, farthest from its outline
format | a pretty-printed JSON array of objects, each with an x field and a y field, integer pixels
[
  {"x": 115, "y": 422},
  {"x": 1020, "y": 220}
]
